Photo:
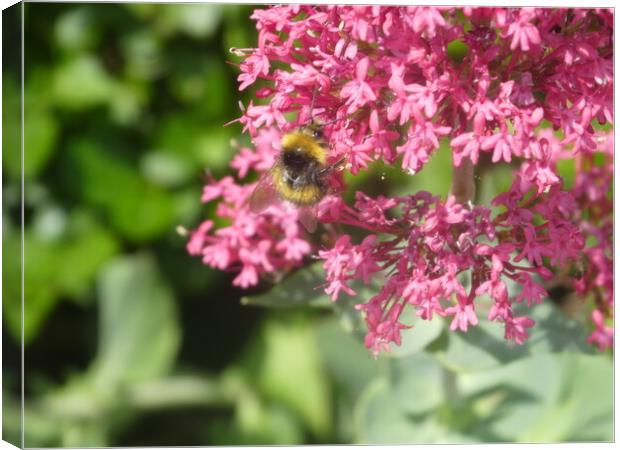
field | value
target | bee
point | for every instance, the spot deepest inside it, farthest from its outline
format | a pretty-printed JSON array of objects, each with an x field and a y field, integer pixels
[{"x": 299, "y": 175}]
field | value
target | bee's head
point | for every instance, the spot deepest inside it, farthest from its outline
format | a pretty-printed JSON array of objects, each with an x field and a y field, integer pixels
[
  {"x": 297, "y": 158},
  {"x": 314, "y": 130}
]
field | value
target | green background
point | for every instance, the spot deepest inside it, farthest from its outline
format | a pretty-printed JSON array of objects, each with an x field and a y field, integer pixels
[{"x": 130, "y": 341}]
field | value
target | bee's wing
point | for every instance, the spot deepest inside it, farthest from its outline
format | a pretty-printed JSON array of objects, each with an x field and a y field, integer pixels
[
  {"x": 264, "y": 194},
  {"x": 307, "y": 217}
]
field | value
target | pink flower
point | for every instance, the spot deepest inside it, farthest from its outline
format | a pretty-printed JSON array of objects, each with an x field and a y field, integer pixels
[
  {"x": 531, "y": 291},
  {"x": 526, "y": 92},
  {"x": 466, "y": 145},
  {"x": 524, "y": 34},
  {"x": 198, "y": 238},
  {"x": 516, "y": 329},
  {"x": 357, "y": 92},
  {"x": 262, "y": 157},
  {"x": 602, "y": 336},
  {"x": 464, "y": 315},
  {"x": 501, "y": 143},
  {"x": 254, "y": 66},
  {"x": 427, "y": 20},
  {"x": 533, "y": 249}
]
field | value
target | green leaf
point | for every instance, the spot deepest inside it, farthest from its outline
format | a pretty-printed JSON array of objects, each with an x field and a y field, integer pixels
[
  {"x": 397, "y": 409},
  {"x": 75, "y": 30},
  {"x": 165, "y": 169},
  {"x": 11, "y": 282},
  {"x": 238, "y": 30},
  {"x": 40, "y": 134},
  {"x": 582, "y": 410},
  {"x": 138, "y": 331},
  {"x": 212, "y": 147},
  {"x": 178, "y": 391},
  {"x": 145, "y": 215},
  {"x": 88, "y": 247},
  {"x": 302, "y": 288},
  {"x": 186, "y": 137},
  {"x": 290, "y": 372},
  {"x": 556, "y": 397},
  {"x": 348, "y": 362},
  {"x": 418, "y": 337},
  {"x": 305, "y": 288},
  {"x": 435, "y": 177},
  {"x": 142, "y": 49},
  {"x": 198, "y": 21},
  {"x": 126, "y": 103},
  {"x": 566, "y": 169},
  {"x": 483, "y": 346},
  {"x": 492, "y": 182},
  {"x": 140, "y": 211},
  {"x": 81, "y": 82},
  {"x": 40, "y": 292},
  {"x": 11, "y": 129},
  {"x": 59, "y": 262},
  {"x": 257, "y": 423},
  {"x": 545, "y": 398}
]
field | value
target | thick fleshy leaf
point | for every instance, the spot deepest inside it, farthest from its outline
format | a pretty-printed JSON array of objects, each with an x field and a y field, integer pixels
[
  {"x": 483, "y": 346},
  {"x": 302, "y": 288},
  {"x": 138, "y": 332},
  {"x": 347, "y": 361},
  {"x": 418, "y": 337},
  {"x": 545, "y": 398},
  {"x": 290, "y": 371},
  {"x": 398, "y": 408}
]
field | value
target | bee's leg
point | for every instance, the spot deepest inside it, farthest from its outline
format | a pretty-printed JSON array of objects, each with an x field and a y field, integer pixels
[
  {"x": 312, "y": 103},
  {"x": 331, "y": 167}
]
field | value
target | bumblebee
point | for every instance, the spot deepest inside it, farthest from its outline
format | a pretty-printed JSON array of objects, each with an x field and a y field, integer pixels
[{"x": 299, "y": 175}]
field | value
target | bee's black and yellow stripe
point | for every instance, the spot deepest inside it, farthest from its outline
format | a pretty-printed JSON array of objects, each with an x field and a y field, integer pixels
[
  {"x": 306, "y": 195},
  {"x": 307, "y": 189},
  {"x": 311, "y": 146}
]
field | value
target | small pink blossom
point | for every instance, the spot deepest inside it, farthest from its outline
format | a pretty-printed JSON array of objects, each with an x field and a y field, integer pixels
[
  {"x": 427, "y": 20},
  {"x": 466, "y": 145},
  {"x": 524, "y": 34},
  {"x": 531, "y": 292},
  {"x": 516, "y": 329},
  {"x": 602, "y": 336},
  {"x": 464, "y": 315},
  {"x": 357, "y": 93}
]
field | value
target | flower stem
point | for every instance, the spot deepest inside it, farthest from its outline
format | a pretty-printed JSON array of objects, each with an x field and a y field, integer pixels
[
  {"x": 450, "y": 387},
  {"x": 463, "y": 186}
]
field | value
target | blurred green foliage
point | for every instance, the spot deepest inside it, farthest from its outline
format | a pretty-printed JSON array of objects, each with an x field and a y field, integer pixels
[{"x": 129, "y": 341}]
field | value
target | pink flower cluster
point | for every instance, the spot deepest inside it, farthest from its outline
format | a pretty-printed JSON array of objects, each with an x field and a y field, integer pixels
[
  {"x": 252, "y": 245},
  {"x": 520, "y": 86},
  {"x": 439, "y": 257}
]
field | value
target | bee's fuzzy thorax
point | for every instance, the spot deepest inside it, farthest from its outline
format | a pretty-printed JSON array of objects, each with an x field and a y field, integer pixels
[
  {"x": 312, "y": 146},
  {"x": 306, "y": 195}
]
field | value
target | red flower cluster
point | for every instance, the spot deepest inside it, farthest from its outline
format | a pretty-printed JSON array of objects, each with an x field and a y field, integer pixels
[{"x": 525, "y": 86}]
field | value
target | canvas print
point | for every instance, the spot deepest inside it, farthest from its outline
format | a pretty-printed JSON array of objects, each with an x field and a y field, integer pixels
[{"x": 230, "y": 224}]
